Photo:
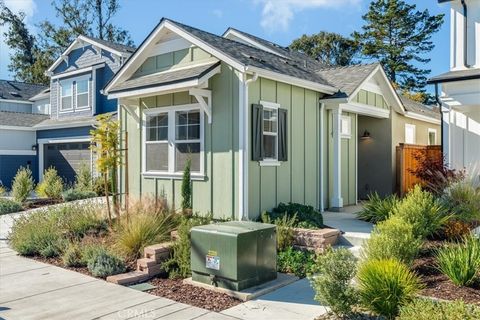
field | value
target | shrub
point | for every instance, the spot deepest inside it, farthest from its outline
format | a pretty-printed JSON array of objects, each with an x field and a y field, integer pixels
[
  {"x": 423, "y": 212},
  {"x": 377, "y": 209},
  {"x": 72, "y": 257},
  {"x": 460, "y": 263},
  {"x": 178, "y": 266},
  {"x": 146, "y": 225},
  {"x": 456, "y": 229},
  {"x": 105, "y": 264},
  {"x": 51, "y": 186},
  {"x": 9, "y": 206},
  {"x": 386, "y": 285},
  {"x": 22, "y": 185},
  {"x": 332, "y": 282},
  {"x": 76, "y": 220},
  {"x": 77, "y": 194},
  {"x": 463, "y": 199},
  {"x": 83, "y": 179},
  {"x": 300, "y": 263},
  {"x": 392, "y": 238},
  {"x": 91, "y": 250},
  {"x": 427, "y": 309},
  {"x": 3, "y": 190},
  {"x": 306, "y": 216},
  {"x": 186, "y": 187},
  {"x": 284, "y": 229}
]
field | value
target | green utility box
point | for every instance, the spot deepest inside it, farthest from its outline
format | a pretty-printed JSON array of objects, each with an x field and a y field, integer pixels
[{"x": 235, "y": 255}]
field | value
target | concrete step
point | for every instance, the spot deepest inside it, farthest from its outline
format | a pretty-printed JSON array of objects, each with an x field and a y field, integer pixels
[
  {"x": 158, "y": 252},
  {"x": 353, "y": 238},
  {"x": 356, "y": 250},
  {"x": 146, "y": 263},
  {"x": 152, "y": 270},
  {"x": 129, "y": 277}
]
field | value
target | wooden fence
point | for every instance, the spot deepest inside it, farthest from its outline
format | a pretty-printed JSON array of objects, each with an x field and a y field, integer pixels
[{"x": 406, "y": 162}]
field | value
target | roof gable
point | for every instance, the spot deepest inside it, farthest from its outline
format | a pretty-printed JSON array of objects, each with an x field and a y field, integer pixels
[{"x": 19, "y": 91}]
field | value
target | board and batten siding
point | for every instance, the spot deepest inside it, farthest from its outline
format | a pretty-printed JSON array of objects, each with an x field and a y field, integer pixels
[
  {"x": 298, "y": 178},
  {"x": 218, "y": 192}
]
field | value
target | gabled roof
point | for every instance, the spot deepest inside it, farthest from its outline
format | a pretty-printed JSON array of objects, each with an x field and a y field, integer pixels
[
  {"x": 459, "y": 75},
  {"x": 44, "y": 94},
  {"x": 115, "y": 48},
  {"x": 419, "y": 108},
  {"x": 241, "y": 56},
  {"x": 21, "y": 119},
  {"x": 20, "y": 91}
]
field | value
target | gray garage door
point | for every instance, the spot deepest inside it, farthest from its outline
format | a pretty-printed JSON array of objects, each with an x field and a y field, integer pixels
[{"x": 67, "y": 158}]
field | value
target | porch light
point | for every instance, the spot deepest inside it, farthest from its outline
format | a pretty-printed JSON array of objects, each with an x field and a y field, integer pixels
[
  {"x": 366, "y": 135},
  {"x": 34, "y": 147}
]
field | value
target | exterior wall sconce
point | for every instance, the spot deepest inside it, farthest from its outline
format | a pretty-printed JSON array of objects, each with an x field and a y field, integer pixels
[
  {"x": 366, "y": 135},
  {"x": 34, "y": 147}
]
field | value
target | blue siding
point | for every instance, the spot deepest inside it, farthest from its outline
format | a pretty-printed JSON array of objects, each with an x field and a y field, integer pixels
[
  {"x": 103, "y": 104},
  {"x": 64, "y": 133},
  {"x": 9, "y": 166}
]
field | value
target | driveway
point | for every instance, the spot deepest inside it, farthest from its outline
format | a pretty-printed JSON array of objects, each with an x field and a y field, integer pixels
[{"x": 33, "y": 290}]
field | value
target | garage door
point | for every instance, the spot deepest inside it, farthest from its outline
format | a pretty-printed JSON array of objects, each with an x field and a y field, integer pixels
[{"x": 67, "y": 158}]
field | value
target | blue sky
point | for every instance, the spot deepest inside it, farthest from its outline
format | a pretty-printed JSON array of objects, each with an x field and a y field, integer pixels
[{"x": 279, "y": 21}]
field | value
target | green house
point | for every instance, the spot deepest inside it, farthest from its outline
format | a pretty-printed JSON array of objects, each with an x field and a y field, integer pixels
[{"x": 261, "y": 124}]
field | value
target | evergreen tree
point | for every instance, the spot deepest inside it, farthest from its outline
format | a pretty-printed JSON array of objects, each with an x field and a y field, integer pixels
[
  {"x": 398, "y": 36},
  {"x": 186, "y": 187},
  {"x": 327, "y": 47}
]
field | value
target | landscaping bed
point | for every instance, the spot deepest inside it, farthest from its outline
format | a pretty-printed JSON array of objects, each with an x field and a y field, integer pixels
[{"x": 176, "y": 290}]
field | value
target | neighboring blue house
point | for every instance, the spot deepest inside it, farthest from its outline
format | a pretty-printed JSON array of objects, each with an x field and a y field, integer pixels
[{"x": 62, "y": 139}]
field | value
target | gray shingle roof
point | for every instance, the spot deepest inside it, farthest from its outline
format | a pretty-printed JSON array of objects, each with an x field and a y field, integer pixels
[
  {"x": 456, "y": 75},
  {"x": 14, "y": 90},
  {"x": 113, "y": 45},
  {"x": 419, "y": 108},
  {"x": 347, "y": 79},
  {"x": 165, "y": 78},
  {"x": 251, "y": 56},
  {"x": 48, "y": 123},
  {"x": 20, "y": 119}
]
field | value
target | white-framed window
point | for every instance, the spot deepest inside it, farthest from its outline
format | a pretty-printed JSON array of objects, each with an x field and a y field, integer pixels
[
  {"x": 432, "y": 136},
  {"x": 410, "y": 135},
  {"x": 346, "y": 126},
  {"x": 270, "y": 133},
  {"x": 81, "y": 94},
  {"x": 66, "y": 98},
  {"x": 172, "y": 136}
]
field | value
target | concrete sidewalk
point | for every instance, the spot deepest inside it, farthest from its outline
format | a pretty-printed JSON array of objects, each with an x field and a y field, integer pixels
[{"x": 33, "y": 290}]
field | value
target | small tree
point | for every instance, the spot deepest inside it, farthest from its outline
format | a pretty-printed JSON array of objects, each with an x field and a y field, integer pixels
[
  {"x": 83, "y": 179},
  {"x": 105, "y": 138},
  {"x": 22, "y": 185},
  {"x": 52, "y": 184},
  {"x": 186, "y": 187}
]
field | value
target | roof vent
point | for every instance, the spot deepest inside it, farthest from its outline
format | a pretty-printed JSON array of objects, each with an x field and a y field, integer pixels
[{"x": 14, "y": 93}]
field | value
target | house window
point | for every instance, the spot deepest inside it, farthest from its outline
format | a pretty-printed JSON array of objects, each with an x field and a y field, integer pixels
[
  {"x": 172, "y": 136},
  {"x": 82, "y": 94},
  {"x": 66, "y": 96},
  {"x": 410, "y": 134},
  {"x": 432, "y": 136},
  {"x": 270, "y": 133},
  {"x": 346, "y": 127}
]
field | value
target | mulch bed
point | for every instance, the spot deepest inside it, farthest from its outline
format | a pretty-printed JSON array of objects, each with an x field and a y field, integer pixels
[
  {"x": 38, "y": 203},
  {"x": 438, "y": 285},
  {"x": 176, "y": 290}
]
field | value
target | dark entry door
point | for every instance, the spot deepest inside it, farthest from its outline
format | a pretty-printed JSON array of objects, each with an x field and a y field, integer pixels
[{"x": 67, "y": 158}]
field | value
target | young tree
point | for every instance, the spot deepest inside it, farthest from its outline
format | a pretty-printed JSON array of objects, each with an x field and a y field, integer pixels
[
  {"x": 327, "y": 47},
  {"x": 105, "y": 139},
  {"x": 398, "y": 35},
  {"x": 186, "y": 187}
]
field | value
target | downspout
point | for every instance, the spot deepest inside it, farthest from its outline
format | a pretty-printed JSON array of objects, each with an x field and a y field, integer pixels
[
  {"x": 243, "y": 135},
  {"x": 439, "y": 104},
  {"x": 322, "y": 163},
  {"x": 465, "y": 35}
]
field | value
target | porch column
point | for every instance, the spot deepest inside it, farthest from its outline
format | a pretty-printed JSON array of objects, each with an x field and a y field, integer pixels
[{"x": 336, "y": 201}]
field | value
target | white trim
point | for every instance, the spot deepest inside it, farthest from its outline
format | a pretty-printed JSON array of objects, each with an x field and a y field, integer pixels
[
  {"x": 94, "y": 92},
  {"x": 70, "y": 109},
  {"x": 76, "y": 95},
  {"x": 17, "y": 101},
  {"x": 292, "y": 80},
  {"x": 336, "y": 200},
  {"x": 173, "y": 176},
  {"x": 421, "y": 117},
  {"x": 77, "y": 71},
  {"x": 346, "y": 134},
  {"x": 365, "y": 110},
  {"x": 170, "y": 46},
  {"x": 431, "y": 130},
  {"x": 250, "y": 41},
  {"x": 356, "y": 159},
  {"x": 322, "y": 160},
  {"x": 17, "y": 128},
  {"x": 42, "y": 142},
  {"x": 414, "y": 127},
  {"x": 269, "y": 163},
  {"x": 5, "y": 152},
  {"x": 267, "y": 105},
  {"x": 41, "y": 126}
]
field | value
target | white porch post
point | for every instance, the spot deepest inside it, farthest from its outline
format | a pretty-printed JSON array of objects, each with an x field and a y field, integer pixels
[{"x": 336, "y": 201}]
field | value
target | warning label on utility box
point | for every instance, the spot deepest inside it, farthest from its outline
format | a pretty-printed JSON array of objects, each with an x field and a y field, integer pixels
[{"x": 212, "y": 261}]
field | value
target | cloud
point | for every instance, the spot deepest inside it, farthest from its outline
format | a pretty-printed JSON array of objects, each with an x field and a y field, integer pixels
[
  {"x": 28, "y": 7},
  {"x": 218, "y": 13},
  {"x": 277, "y": 14}
]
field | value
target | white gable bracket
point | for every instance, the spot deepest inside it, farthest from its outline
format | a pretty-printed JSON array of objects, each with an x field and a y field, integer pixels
[
  {"x": 65, "y": 58},
  {"x": 200, "y": 95}
]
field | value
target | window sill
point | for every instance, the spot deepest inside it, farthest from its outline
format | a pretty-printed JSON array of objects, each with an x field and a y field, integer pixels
[
  {"x": 174, "y": 176},
  {"x": 269, "y": 163},
  {"x": 66, "y": 111}
]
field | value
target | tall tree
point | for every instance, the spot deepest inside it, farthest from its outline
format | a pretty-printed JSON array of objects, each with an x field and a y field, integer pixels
[
  {"x": 327, "y": 47},
  {"x": 399, "y": 36},
  {"x": 27, "y": 62}
]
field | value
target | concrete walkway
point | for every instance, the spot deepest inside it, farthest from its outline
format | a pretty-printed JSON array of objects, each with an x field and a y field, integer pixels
[{"x": 33, "y": 290}]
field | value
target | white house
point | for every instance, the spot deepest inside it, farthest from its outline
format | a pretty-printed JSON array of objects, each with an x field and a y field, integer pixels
[{"x": 458, "y": 90}]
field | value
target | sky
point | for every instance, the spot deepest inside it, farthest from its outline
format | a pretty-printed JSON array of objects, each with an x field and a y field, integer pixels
[{"x": 279, "y": 21}]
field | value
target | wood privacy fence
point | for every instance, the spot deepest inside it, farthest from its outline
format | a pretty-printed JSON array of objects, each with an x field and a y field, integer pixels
[{"x": 407, "y": 161}]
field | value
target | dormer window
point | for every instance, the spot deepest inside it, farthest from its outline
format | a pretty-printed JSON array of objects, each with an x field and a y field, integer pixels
[
  {"x": 66, "y": 101},
  {"x": 82, "y": 94}
]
